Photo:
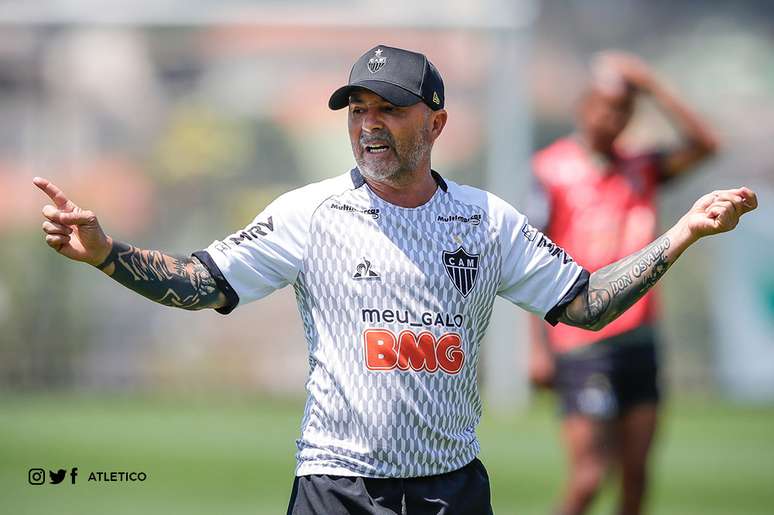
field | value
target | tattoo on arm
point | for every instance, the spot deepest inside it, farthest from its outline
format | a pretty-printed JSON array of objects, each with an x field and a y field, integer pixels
[
  {"x": 176, "y": 281},
  {"x": 614, "y": 288}
]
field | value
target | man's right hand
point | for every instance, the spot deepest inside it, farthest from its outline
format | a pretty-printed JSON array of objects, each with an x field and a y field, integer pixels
[
  {"x": 630, "y": 68},
  {"x": 70, "y": 230}
]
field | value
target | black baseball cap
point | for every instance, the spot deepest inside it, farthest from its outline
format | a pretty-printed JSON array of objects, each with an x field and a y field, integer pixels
[{"x": 399, "y": 76}]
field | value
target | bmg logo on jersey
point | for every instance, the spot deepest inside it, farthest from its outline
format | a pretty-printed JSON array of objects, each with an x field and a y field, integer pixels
[
  {"x": 37, "y": 476},
  {"x": 410, "y": 351}
]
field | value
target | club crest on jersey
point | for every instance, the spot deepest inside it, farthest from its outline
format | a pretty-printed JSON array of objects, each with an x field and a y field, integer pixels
[
  {"x": 375, "y": 63},
  {"x": 462, "y": 269}
]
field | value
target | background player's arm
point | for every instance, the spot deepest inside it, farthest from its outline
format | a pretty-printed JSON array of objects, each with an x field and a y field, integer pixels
[
  {"x": 698, "y": 140},
  {"x": 170, "y": 280},
  {"x": 613, "y": 289}
]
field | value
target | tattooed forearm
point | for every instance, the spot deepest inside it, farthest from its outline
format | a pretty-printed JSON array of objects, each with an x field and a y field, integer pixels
[
  {"x": 613, "y": 289},
  {"x": 181, "y": 282}
]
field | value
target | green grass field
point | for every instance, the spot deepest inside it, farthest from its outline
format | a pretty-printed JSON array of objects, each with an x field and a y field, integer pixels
[{"x": 221, "y": 456}]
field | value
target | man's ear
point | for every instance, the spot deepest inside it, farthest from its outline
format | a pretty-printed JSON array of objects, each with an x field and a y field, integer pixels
[{"x": 438, "y": 122}]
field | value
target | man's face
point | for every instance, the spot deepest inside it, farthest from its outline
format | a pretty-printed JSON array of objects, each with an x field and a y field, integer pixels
[
  {"x": 389, "y": 142},
  {"x": 603, "y": 117}
]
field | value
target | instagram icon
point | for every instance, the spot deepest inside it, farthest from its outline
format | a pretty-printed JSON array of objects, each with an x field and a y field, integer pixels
[{"x": 36, "y": 476}]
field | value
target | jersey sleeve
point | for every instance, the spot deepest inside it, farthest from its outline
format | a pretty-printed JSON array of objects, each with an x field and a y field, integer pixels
[
  {"x": 264, "y": 256},
  {"x": 536, "y": 274}
]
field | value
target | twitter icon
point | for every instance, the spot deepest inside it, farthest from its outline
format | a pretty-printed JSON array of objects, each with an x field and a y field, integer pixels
[{"x": 57, "y": 477}]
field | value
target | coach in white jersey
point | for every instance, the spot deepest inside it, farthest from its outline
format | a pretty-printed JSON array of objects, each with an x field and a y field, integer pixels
[{"x": 395, "y": 270}]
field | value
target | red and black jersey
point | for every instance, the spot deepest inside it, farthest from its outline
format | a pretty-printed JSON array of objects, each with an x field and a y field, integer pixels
[{"x": 599, "y": 211}]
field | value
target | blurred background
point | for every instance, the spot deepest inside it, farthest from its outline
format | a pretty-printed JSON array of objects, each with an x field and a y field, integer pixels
[{"x": 177, "y": 122}]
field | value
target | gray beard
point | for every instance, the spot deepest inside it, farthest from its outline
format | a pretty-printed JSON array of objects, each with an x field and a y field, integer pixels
[{"x": 399, "y": 171}]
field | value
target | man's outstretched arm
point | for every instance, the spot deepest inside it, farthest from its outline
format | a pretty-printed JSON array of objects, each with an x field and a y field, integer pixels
[
  {"x": 177, "y": 281},
  {"x": 170, "y": 280},
  {"x": 613, "y": 289}
]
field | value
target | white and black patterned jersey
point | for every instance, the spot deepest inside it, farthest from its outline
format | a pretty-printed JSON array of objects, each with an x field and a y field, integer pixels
[{"x": 394, "y": 302}]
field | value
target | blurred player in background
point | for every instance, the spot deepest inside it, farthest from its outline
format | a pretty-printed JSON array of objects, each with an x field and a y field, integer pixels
[{"x": 597, "y": 201}]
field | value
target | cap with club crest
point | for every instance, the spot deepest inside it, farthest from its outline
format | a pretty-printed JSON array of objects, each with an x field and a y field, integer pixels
[{"x": 399, "y": 76}]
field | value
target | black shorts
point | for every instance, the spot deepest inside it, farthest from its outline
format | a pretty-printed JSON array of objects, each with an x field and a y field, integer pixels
[
  {"x": 609, "y": 377},
  {"x": 461, "y": 492}
]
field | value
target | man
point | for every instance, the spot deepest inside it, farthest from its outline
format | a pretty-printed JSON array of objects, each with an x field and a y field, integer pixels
[
  {"x": 598, "y": 203},
  {"x": 395, "y": 271}
]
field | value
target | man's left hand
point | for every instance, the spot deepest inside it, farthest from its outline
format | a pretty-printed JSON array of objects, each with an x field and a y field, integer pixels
[{"x": 719, "y": 211}]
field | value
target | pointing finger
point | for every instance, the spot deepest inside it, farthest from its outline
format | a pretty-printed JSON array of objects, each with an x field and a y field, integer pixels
[{"x": 49, "y": 188}]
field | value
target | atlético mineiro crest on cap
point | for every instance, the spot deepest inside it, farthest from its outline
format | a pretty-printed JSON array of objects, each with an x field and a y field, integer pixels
[
  {"x": 462, "y": 269},
  {"x": 375, "y": 63}
]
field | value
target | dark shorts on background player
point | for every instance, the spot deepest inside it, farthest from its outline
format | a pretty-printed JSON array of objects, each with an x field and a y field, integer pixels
[
  {"x": 607, "y": 378},
  {"x": 461, "y": 492}
]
